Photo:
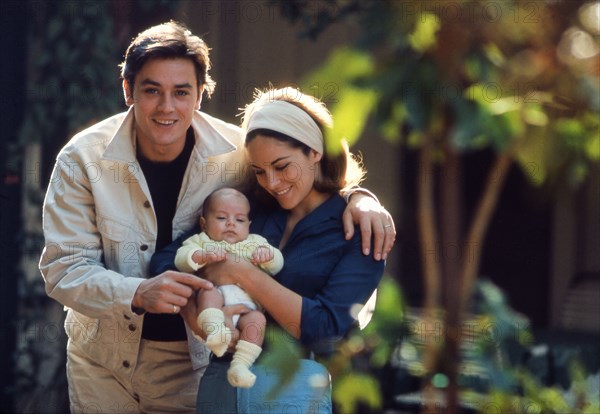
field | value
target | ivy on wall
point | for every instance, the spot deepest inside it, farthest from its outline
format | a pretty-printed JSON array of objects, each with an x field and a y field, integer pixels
[
  {"x": 72, "y": 70},
  {"x": 72, "y": 81}
]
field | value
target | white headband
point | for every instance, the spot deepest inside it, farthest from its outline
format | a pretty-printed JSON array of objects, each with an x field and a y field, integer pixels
[{"x": 288, "y": 119}]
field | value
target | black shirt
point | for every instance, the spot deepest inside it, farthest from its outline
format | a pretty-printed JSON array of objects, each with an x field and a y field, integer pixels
[{"x": 164, "y": 180}]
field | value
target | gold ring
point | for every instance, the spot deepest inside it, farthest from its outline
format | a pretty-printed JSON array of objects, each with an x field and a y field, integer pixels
[
  {"x": 174, "y": 309},
  {"x": 387, "y": 225}
]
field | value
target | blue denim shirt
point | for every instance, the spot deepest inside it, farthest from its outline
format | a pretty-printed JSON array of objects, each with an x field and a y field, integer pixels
[{"x": 328, "y": 271}]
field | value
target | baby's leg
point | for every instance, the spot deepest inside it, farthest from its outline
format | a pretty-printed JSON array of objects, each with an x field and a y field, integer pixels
[
  {"x": 209, "y": 298},
  {"x": 212, "y": 321},
  {"x": 252, "y": 328}
]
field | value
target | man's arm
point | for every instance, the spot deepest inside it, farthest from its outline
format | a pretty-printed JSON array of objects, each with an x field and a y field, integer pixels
[
  {"x": 374, "y": 220},
  {"x": 71, "y": 263}
]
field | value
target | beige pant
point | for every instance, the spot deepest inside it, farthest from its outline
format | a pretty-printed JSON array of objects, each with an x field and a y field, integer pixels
[{"x": 163, "y": 382}]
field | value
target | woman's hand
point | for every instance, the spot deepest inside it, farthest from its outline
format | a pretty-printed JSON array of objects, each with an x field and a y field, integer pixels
[
  {"x": 374, "y": 220},
  {"x": 229, "y": 311},
  {"x": 228, "y": 271}
]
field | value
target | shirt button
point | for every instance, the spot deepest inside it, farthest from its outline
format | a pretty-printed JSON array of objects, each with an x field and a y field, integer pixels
[
  {"x": 144, "y": 247},
  {"x": 147, "y": 204},
  {"x": 126, "y": 364},
  {"x": 132, "y": 327}
]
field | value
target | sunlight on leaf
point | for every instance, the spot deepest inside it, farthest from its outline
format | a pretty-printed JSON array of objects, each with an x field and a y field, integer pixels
[
  {"x": 504, "y": 105},
  {"x": 534, "y": 115},
  {"x": 531, "y": 157},
  {"x": 350, "y": 105},
  {"x": 343, "y": 66},
  {"x": 350, "y": 114},
  {"x": 592, "y": 147},
  {"x": 392, "y": 126},
  {"x": 494, "y": 54},
  {"x": 424, "y": 35},
  {"x": 414, "y": 139},
  {"x": 353, "y": 389},
  {"x": 389, "y": 312},
  {"x": 282, "y": 357}
]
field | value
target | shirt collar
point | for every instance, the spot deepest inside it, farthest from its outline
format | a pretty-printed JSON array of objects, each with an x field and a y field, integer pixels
[
  {"x": 210, "y": 141},
  {"x": 330, "y": 209}
]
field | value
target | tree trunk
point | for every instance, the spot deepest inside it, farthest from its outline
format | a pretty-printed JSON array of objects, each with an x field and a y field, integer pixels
[
  {"x": 431, "y": 271},
  {"x": 451, "y": 254},
  {"x": 427, "y": 227},
  {"x": 479, "y": 224}
]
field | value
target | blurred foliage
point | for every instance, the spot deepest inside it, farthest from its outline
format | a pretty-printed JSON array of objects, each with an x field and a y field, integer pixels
[
  {"x": 512, "y": 384},
  {"x": 73, "y": 74},
  {"x": 495, "y": 375},
  {"x": 366, "y": 350},
  {"x": 283, "y": 356},
  {"x": 518, "y": 77},
  {"x": 504, "y": 74}
]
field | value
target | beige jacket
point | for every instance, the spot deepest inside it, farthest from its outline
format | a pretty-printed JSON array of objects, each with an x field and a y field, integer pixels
[{"x": 100, "y": 228}]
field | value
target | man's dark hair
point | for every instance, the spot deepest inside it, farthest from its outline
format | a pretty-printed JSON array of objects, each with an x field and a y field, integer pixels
[{"x": 170, "y": 40}]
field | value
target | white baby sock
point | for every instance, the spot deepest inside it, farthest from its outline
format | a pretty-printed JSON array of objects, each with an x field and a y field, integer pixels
[
  {"x": 239, "y": 374},
  {"x": 218, "y": 336}
]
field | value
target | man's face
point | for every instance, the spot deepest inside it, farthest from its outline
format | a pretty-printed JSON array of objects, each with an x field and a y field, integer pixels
[{"x": 165, "y": 96}]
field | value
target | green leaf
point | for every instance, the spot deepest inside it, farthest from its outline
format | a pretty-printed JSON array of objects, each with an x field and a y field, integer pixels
[
  {"x": 571, "y": 130},
  {"x": 424, "y": 36},
  {"x": 530, "y": 155},
  {"x": 350, "y": 116},
  {"x": 494, "y": 54},
  {"x": 392, "y": 126},
  {"x": 535, "y": 115},
  {"x": 414, "y": 139},
  {"x": 592, "y": 148},
  {"x": 467, "y": 132},
  {"x": 352, "y": 389},
  {"x": 283, "y": 357},
  {"x": 343, "y": 66},
  {"x": 352, "y": 105}
]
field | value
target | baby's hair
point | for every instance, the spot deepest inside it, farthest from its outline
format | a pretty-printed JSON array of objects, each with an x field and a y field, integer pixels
[{"x": 209, "y": 201}]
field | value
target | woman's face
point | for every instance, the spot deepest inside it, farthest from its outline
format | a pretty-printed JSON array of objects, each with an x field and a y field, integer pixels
[{"x": 284, "y": 172}]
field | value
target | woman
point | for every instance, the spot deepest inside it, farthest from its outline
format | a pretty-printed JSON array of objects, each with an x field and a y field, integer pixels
[{"x": 324, "y": 277}]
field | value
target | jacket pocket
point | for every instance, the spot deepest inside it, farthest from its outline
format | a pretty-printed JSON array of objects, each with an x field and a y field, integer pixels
[
  {"x": 119, "y": 248},
  {"x": 112, "y": 229},
  {"x": 80, "y": 328}
]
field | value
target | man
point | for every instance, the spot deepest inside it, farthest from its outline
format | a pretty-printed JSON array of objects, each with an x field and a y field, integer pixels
[{"x": 123, "y": 189}]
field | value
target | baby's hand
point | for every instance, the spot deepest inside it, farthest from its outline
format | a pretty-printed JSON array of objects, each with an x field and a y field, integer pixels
[
  {"x": 262, "y": 254},
  {"x": 203, "y": 256}
]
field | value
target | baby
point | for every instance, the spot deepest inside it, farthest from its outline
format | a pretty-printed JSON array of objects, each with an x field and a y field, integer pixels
[{"x": 226, "y": 229}]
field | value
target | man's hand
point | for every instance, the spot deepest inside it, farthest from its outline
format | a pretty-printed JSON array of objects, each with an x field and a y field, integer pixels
[
  {"x": 167, "y": 292},
  {"x": 373, "y": 220}
]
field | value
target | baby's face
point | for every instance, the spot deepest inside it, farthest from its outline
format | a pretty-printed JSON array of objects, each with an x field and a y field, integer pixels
[{"x": 227, "y": 219}]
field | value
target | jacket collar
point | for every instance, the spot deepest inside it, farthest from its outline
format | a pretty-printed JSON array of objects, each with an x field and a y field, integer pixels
[{"x": 209, "y": 139}]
